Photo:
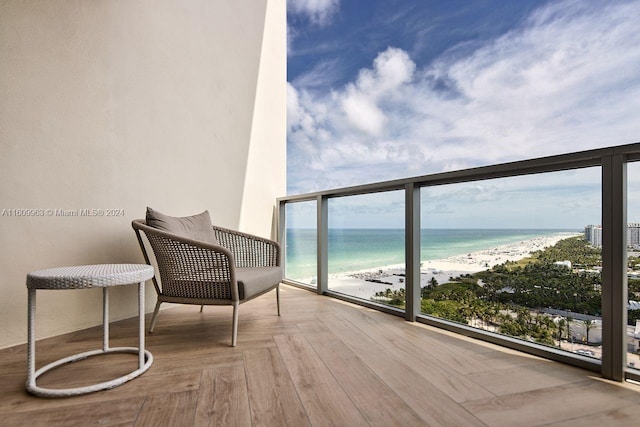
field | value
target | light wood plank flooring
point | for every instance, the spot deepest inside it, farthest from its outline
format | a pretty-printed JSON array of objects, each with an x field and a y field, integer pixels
[{"x": 322, "y": 363}]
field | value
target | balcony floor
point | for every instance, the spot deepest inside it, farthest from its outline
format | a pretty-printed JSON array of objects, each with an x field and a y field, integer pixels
[{"x": 323, "y": 362}]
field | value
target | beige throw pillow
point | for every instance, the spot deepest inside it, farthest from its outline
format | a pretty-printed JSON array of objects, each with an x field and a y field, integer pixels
[{"x": 196, "y": 227}]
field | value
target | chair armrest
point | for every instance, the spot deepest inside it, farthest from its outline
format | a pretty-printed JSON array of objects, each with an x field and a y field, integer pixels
[{"x": 249, "y": 250}]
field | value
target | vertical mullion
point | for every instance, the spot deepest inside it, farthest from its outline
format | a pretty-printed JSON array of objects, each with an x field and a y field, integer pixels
[
  {"x": 412, "y": 251},
  {"x": 322, "y": 244},
  {"x": 614, "y": 260},
  {"x": 281, "y": 233}
]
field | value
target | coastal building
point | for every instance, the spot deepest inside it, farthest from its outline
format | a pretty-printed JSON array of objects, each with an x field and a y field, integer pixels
[
  {"x": 565, "y": 263},
  {"x": 593, "y": 235},
  {"x": 633, "y": 235}
]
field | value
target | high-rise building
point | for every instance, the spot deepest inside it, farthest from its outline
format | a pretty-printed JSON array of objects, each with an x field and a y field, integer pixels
[
  {"x": 593, "y": 235},
  {"x": 633, "y": 235}
]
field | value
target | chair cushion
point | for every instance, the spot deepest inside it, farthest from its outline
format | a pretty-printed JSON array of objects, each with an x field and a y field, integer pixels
[
  {"x": 196, "y": 227},
  {"x": 253, "y": 281}
]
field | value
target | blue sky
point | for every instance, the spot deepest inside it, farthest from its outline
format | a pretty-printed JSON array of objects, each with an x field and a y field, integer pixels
[
  {"x": 385, "y": 89},
  {"x": 328, "y": 52}
]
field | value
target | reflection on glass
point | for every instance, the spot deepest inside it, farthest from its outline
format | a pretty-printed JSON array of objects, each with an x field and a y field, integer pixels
[
  {"x": 366, "y": 247},
  {"x": 301, "y": 242},
  {"x": 515, "y": 256}
]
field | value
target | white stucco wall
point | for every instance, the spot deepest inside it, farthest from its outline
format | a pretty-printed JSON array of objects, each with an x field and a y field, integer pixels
[
  {"x": 123, "y": 104},
  {"x": 267, "y": 153}
]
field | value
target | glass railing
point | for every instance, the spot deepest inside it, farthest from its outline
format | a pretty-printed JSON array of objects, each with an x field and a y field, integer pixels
[
  {"x": 531, "y": 254},
  {"x": 633, "y": 267},
  {"x": 302, "y": 243},
  {"x": 517, "y": 263},
  {"x": 366, "y": 260}
]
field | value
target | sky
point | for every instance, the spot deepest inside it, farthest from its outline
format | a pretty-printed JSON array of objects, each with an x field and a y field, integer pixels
[{"x": 386, "y": 89}]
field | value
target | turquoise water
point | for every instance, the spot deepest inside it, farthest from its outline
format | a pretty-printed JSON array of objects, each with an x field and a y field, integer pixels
[{"x": 357, "y": 249}]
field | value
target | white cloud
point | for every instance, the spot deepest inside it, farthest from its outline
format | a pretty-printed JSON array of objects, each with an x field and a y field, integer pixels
[
  {"x": 567, "y": 80},
  {"x": 392, "y": 68},
  {"x": 363, "y": 114},
  {"x": 319, "y": 12},
  {"x": 360, "y": 100}
]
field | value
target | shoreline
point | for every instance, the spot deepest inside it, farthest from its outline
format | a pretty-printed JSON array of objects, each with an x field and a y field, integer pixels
[{"x": 367, "y": 282}]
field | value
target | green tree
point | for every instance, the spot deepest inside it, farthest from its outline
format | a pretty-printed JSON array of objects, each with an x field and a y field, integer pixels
[
  {"x": 632, "y": 316},
  {"x": 449, "y": 310}
]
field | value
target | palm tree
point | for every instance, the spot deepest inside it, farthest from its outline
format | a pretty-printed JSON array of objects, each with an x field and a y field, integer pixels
[
  {"x": 588, "y": 325},
  {"x": 561, "y": 325},
  {"x": 568, "y": 326}
]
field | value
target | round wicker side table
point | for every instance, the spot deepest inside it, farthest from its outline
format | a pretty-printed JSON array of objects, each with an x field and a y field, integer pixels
[{"x": 82, "y": 277}]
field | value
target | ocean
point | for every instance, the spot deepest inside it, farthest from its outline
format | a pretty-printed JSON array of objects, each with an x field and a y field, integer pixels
[{"x": 358, "y": 249}]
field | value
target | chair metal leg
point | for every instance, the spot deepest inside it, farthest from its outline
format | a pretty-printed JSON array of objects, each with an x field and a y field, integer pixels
[
  {"x": 201, "y": 307},
  {"x": 155, "y": 316},
  {"x": 278, "y": 298},
  {"x": 234, "y": 333}
]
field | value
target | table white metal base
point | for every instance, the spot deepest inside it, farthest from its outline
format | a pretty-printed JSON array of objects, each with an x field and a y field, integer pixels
[{"x": 78, "y": 278}]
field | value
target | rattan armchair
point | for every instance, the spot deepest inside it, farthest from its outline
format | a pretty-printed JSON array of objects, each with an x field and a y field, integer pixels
[{"x": 240, "y": 268}]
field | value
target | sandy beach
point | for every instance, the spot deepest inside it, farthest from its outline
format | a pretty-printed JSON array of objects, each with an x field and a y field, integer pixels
[{"x": 365, "y": 283}]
